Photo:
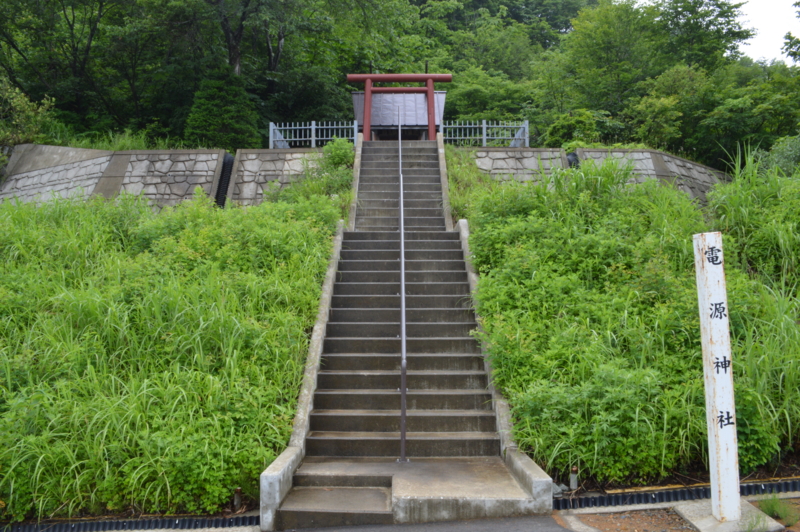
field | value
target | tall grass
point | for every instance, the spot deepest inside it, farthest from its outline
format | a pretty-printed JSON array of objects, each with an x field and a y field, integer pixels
[
  {"x": 151, "y": 362},
  {"x": 58, "y": 134},
  {"x": 588, "y": 300}
]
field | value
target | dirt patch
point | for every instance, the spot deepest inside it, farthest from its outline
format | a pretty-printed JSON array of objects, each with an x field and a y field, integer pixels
[{"x": 663, "y": 520}]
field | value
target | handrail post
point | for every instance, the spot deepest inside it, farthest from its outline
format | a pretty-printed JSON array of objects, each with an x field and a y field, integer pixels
[
  {"x": 403, "y": 387},
  {"x": 483, "y": 131},
  {"x": 313, "y": 134}
]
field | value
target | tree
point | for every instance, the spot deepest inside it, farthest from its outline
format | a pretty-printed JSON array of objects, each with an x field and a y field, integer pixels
[
  {"x": 21, "y": 120},
  {"x": 791, "y": 46},
  {"x": 702, "y": 32},
  {"x": 222, "y": 115},
  {"x": 613, "y": 47}
]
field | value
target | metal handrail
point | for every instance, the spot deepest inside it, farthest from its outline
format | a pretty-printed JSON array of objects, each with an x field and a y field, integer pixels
[{"x": 403, "y": 387}]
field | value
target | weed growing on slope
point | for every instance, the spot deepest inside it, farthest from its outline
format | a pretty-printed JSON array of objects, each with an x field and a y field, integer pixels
[
  {"x": 589, "y": 307},
  {"x": 151, "y": 362}
]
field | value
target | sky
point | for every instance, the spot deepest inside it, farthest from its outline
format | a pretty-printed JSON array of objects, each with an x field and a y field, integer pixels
[{"x": 772, "y": 19}]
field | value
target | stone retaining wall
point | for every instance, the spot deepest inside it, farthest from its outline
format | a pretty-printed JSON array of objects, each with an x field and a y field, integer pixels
[
  {"x": 525, "y": 164},
  {"x": 257, "y": 171},
  {"x": 521, "y": 164},
  {"x": 165, "y": 178},
  {"x": 693, "y": 178},
  {"x": 47, "y": 172}
]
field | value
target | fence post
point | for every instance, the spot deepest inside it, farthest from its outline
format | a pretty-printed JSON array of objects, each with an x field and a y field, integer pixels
[
  {"x": 483, "y": 127},
  {"x": 355, "y": 132},
  {"x": 527, "y": 135},
  {"x": 271, "y": 135},
  {"x": 313, "y": 134}
]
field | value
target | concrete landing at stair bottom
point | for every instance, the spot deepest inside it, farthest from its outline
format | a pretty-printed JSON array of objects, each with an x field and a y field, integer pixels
[{"x": 436, "y": 489}]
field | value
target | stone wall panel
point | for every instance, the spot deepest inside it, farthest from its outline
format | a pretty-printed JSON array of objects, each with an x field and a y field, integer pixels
[{"x": 528, "y": 164}]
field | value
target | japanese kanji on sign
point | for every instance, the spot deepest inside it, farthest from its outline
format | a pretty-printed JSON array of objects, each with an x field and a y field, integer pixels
[{"x": 718, "y": 375}]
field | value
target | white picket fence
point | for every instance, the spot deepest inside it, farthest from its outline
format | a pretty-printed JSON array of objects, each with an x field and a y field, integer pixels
[
  {"x": 310, "y": 134},
  {"x": 460, "y": 132},
  {"x": 486, "y": 133}
]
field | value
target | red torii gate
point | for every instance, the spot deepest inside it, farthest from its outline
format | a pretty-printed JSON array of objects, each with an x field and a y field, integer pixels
[{"x": 428, "y": 79}]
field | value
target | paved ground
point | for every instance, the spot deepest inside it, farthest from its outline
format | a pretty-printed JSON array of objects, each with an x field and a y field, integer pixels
[{"x": 509, "y": 524}]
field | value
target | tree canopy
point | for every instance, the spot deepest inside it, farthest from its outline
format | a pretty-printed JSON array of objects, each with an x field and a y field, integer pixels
[{"x": 668, "y": 74}]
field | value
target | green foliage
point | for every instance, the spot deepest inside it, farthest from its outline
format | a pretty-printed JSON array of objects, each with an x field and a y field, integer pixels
[
  {"x": 330, "y": 176},
  {"x": 339, "y": 153},
  {"x": 60, "y": 135},
  {"x": 21, "y": 120},
  {"x": 589, "y": 311},
  {"x": 578, "y": 125},
  {"x": 780, "y": 509},
  {"x": 785, "y": 155},
  {"x": 759, "y": 209},
  {"x": 702, "y": 32},
  {"x": 222, "y": 115},
  {"x": 151, "y": 362}
]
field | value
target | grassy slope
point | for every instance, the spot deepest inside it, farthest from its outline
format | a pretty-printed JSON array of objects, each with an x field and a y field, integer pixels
[
  {"x": 151, "y": 362},
  {"x": 590, "y": 313}
]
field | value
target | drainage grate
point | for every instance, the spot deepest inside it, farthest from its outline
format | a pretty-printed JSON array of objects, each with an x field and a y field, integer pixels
[
  {"x": 224, "y": 180},
  {"x": 653, "y": 497},
  {"x": 181, "y": 523}
]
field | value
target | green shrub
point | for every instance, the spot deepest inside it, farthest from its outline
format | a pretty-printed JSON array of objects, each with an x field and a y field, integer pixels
[
  {"x": 785, "y": 155},
  {"x": 576, "y": 125},
  {"x": 588, "y": 304},
  {"x": 151, "y": 362},
  {"x": 222, "y": 115},
  {"x": 339, "y": 153},
  {"x": 21, "y": 120}
]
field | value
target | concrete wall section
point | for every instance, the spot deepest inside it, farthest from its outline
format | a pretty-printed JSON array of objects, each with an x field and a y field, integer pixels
[
  {"x": 168, "y": 177},
  {"x": 526, "y": 164},
  {"x": 164, "y": 177},
  {"x": 521, "y": 164},
  {"x": 257, "y": 171},
  {"x": 693, "y": 178},
  {"x": 73, "y": 179}
]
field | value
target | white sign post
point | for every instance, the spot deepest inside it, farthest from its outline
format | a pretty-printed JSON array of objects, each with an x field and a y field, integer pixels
[{"x": 723, "y": 452}]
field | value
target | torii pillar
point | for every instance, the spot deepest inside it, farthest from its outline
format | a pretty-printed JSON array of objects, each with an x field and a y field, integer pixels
[{"x": 428, "y": 79}]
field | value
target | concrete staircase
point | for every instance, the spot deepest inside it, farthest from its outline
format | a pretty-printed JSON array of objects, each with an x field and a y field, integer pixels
[{"x": 353, "y": 443}]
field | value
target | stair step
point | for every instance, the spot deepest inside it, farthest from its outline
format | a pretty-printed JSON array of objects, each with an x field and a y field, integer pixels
[
  {"x": 415, "y": 315},
  {"x": 394, "y": 235},
  {"x": 312, "y": 507},
  {"x": 416, "y": 420},
  {"x": 415, "y": 399},
  {"x": 395, "y": 244},
  {"x": 390, "y": 289},
  {"x": 394, "y": 276},
  {"x": 391, "y": 362},
  {"x": 392, "y": 329},
  {"x": 347, "y": 344},
  {"x": 344, "y": 481},
  {"x": 411, "y": 254},
  {"x": 412, "y": 302},
  {"x": 418, "y": 444},
  {"x": 394, "y": 265},
  {"x": 418, "y": 380}
]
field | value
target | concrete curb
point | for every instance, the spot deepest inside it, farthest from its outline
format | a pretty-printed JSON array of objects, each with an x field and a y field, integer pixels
[
  {"x": 351, "y": 219},
  {"x": 276, "y": 480},
  {"x": 698, "y": 514},
  {"x": 531, "y": 477},
  {"x": 448, "y": 216}
]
